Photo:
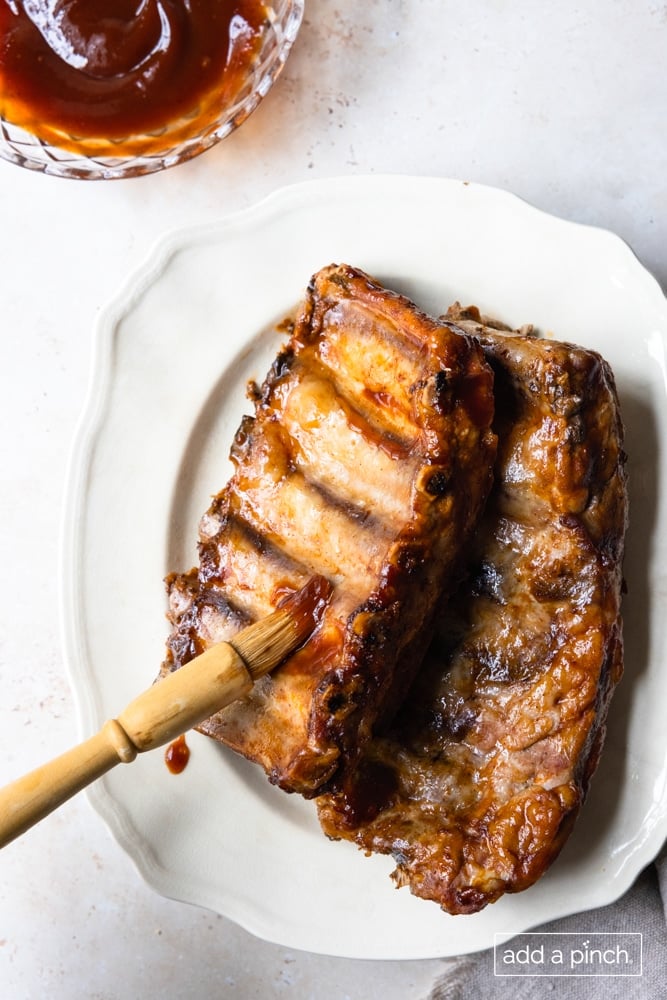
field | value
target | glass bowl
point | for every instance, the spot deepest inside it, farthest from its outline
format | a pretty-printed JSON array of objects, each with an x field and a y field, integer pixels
[{"x": 63, "y": 154}]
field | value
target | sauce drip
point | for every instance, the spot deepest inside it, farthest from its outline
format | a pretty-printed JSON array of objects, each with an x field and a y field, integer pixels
[
  {"x": 177, "y": 755},
  {"x": 371, "y": 790},
  {"x": 107, "y": 69}
]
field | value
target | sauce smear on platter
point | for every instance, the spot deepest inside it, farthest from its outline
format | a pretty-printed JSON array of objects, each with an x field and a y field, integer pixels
[{"x": 177, "y": 755}]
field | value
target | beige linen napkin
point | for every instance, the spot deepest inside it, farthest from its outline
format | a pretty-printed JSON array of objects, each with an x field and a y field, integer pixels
[{"x": 642, "y": 910}]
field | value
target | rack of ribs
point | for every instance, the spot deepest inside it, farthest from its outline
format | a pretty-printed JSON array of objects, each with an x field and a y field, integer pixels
[
  {"x": 367, "y": 461},
  {"x": 476, "y": 784}
]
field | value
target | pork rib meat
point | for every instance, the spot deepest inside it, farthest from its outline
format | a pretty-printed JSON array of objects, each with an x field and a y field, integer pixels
[
  {"x": 367, "y": 461},
  {"x": 476, "y": 785}
]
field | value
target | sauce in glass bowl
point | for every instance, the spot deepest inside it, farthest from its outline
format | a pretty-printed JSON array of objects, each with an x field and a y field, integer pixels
[{"x": 128, "y": 78}]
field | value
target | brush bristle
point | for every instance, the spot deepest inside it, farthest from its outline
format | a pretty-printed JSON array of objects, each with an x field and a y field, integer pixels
[{"x": 265, "y": 644}]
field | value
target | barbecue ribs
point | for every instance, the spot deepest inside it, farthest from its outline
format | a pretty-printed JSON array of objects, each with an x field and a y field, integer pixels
[
  {"x": 367, "y": 460},
  {"x": 477, "y": 783}
]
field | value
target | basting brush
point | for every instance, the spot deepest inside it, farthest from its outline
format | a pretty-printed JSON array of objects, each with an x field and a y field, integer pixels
[{"x": 174, "y": 704}]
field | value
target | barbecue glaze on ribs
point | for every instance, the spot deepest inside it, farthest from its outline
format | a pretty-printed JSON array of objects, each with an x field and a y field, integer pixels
[
  {"x": 367, "y": 460},
  {"x": 477, "y": 783}
]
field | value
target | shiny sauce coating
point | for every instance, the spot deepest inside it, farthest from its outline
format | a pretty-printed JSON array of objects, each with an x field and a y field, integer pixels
[{"x": 109, "y": 69}]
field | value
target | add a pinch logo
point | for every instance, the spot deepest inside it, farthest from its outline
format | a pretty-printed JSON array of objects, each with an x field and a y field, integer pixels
[{"x": 568, "y": 953}]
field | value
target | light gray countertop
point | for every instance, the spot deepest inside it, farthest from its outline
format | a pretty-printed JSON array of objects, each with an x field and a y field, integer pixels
[{"x": 562, "y": 104}]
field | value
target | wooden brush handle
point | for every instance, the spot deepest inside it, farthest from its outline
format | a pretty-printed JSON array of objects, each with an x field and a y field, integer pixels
[{"x": 173, "y": 705}]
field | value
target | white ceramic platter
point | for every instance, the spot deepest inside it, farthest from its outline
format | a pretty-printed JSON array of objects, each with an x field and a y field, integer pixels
[{"x": 173, "y": 355}]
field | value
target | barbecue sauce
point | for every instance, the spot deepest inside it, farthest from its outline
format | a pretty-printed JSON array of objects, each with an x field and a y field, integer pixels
[
  {"x": 371, "y": 789},
  {"x": 177, "y": 755},
  {"x": 77, "y": 70}
]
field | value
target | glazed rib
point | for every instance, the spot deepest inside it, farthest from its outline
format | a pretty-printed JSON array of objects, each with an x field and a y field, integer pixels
[
  {"x": 367, "y": 461},
  {"x": 477, "y": 784}
]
